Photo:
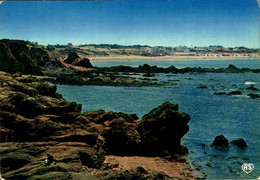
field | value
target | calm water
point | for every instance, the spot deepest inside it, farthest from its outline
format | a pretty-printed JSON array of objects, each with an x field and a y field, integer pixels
[
  {"x": 211, "y": 115},
  {"x": 182, "y": 63}
]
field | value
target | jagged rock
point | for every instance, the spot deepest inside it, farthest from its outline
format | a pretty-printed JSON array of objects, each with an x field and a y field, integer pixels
[
  {"x": 239, "y": 142},
  {"x": 76, "y": 60},
  {"x": 163, "y": 128},
  {"x": 220, "y": 141}
]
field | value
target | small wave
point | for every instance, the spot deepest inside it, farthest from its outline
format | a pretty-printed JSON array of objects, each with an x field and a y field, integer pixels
[{"x": 249, "y": 83}]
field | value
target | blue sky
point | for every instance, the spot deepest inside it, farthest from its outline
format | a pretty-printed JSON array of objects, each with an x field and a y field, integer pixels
[{"x": 148, "y": 22}]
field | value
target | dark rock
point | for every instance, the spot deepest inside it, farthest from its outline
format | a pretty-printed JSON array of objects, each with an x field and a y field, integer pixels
[
  {"x": 163, "y": 128},
  {"x": 141, "y": 170},
  {"x": 235, "y": 93},
  {"x": 73, "y": 58},
  {"x": 148, "y": 75},
  {"x": 85, "y": 63},
  {"x": 92, "y": 158},
  {"x": 202, "y": 87},
  {"x": 252, "y": 88},
  {"x": 233, "y": 69},
  {"x": 254, "y": 96},
  {"x": 122, "y": 137},
  {"x": 220, "y": 93},
  {"x": 239, "y": 143},
  {"x": 16, "y": 56},
  {"x": 13, "y": 161},
  {"x": 220, "y": 141},
  {"x": 76, "y": 60}
]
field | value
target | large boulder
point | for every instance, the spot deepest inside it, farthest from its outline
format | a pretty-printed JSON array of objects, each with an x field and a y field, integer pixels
[{"x": 161, "y": 130}]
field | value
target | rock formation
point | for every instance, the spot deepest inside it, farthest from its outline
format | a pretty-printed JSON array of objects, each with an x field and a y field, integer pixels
[
  {"x": 36, "y": 120},
  {"x": 220, "y": 141},
  {"x": 21, "y": 56},
  {"x": 76, "y": 60},
  {"x": 239, "y": 142},
  {"x": 161, "y": 130}
]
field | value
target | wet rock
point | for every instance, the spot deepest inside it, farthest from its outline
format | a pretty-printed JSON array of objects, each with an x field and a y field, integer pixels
[
  {"x": 239, "y": 142},
  {"x": 163, "y": 128},
  {"x": 220, "y": 93},
  {"x": 220, "y": 141},
  {"x": 235, "y": 93},
  {"x": 252, "y": 88},
  {"x": 254, "y": 96},
  {"x": 202, "y": 87}
]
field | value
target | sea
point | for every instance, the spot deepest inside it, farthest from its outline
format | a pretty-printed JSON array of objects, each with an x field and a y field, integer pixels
[{"x": 236, "y": 116}]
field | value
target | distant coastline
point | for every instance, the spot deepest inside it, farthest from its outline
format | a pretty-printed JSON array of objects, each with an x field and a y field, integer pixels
[{"x": 132, "y": 57}]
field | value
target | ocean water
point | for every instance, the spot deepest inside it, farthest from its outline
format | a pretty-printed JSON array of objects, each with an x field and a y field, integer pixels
[
  {"x": 182, "y": 63},
  {"x": 211, "y": 115}
]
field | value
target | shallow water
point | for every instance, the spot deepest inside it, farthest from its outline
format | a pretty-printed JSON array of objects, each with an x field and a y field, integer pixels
[{"x": 211, "y": 115}]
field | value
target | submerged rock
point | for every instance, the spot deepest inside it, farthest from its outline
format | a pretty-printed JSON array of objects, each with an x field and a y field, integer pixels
[
  {"x": 220, "y": 141},
  {"x": 239, "y": 142}
]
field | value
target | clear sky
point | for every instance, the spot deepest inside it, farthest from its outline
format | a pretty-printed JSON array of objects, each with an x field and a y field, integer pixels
[{"x": 148, "y": 22}]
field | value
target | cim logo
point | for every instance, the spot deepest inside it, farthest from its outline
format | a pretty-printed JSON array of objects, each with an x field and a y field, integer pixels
[{"x": 247, "y": 167}]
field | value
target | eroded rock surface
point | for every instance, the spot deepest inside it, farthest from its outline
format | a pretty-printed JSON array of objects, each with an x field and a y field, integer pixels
[{"x": 36, "y": 120}]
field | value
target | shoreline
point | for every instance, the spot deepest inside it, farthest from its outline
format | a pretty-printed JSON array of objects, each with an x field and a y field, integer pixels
[{"x": 111, "y": 58}]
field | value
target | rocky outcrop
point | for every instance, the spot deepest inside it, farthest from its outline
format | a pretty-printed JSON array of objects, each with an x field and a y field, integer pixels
[
  {"x": 76, "y": 60},
  {"x": 27, "y": 58},
  {"x": 239, "y": 142},
  {"x": 36, "y": 120},
  {"x": 155, "y": 69},
  {"x": 161, "y": 130},
  {"x": 220, "y": 141}
]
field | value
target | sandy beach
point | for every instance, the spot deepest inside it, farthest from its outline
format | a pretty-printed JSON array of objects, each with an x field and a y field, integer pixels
[
  {"x": 174, "y": 169},
  {"x": 108, "y": 58}
]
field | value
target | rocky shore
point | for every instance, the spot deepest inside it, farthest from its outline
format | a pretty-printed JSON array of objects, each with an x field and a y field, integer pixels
[
  {"x": 89, "y": 145},
  {"x": 18, "y": 56}
]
